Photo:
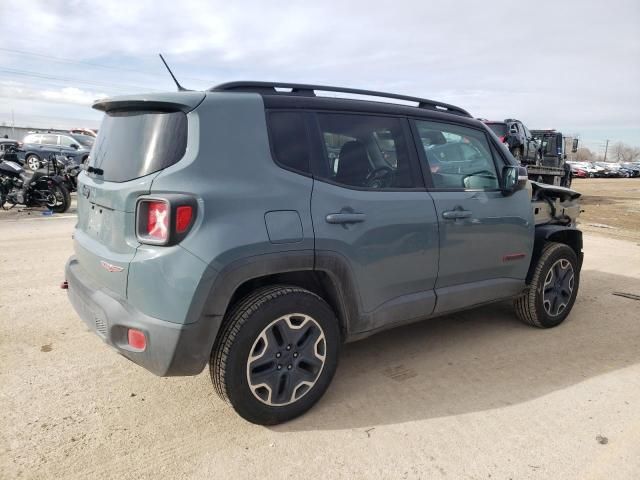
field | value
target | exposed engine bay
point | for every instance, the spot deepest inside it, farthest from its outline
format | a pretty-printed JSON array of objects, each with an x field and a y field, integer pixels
[{"x": 554, "y": 205}]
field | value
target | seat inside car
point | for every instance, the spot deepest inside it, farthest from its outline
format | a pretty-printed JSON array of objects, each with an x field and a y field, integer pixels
[{"x": 353, "y": 164}]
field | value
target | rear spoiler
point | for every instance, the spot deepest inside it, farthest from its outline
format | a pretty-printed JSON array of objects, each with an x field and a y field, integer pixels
[{"x": 169, "y": 102}]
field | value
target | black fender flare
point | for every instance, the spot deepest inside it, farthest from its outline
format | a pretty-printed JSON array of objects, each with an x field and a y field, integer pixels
[
  {"x": 242, "y": 270},
  {"x": 570, "y": 236},
  {"x": 342, "y": 291}
]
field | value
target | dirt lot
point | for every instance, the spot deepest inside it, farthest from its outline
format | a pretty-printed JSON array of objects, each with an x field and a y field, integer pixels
[
  {"x": 611, "y": 206},
  {"x": 474, "y": 395}
]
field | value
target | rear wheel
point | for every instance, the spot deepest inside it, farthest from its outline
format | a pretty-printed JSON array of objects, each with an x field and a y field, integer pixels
[
  {"x": 276, "y": 354},
  {"x": 59, "y": 198},
  {"x": 552, "y": 292}
]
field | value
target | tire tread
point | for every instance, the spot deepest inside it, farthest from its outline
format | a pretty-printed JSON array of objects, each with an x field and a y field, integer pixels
[
  {"x": 525, "y": 304},
  {"x": 237, "y": 317}
]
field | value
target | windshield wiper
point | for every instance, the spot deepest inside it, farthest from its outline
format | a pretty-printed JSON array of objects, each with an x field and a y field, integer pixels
[{"x": 97, "y": 171}]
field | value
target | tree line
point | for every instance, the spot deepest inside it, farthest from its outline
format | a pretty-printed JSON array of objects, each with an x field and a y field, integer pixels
[{"x": 618, "y": 152}]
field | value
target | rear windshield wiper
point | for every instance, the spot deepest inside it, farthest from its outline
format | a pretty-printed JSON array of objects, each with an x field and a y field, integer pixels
[{"x": 97, "y": 171}]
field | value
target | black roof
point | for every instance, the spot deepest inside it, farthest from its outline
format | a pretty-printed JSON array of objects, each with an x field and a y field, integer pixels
[{"x": 297, "y": 92}]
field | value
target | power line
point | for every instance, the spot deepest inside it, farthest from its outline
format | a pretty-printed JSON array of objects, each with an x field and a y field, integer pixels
[
  {"x": 43, "y": 76},
  {"x": 92, "y": 64}
]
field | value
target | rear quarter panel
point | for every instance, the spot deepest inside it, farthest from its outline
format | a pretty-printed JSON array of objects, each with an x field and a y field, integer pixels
[{"x": 230, "y": 170}]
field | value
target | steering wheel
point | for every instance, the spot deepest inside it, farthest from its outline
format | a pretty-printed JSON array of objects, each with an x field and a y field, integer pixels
[{"x": 380, "y": 177}]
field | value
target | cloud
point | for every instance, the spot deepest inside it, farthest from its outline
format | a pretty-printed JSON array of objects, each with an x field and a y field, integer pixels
[
  {"x": 569, "y": 64},
  {"x": 63, "y": 95}
]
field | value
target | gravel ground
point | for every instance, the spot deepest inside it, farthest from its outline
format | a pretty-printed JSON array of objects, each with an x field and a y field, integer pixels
[
  {"x": 473, "y": 395},
  {"x": 611, "y": 206}
]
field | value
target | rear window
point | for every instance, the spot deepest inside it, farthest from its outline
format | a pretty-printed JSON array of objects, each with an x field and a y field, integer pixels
[
  {"x": 132, "y": 144},
  {"x": 500, "y": 129}
]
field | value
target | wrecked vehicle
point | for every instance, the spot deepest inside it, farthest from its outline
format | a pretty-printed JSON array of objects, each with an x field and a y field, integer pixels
[{"x": 258, "y": 226}]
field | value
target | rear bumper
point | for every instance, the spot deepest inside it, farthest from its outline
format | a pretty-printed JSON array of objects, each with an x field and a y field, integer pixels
[{"x": 171, "y": 349}]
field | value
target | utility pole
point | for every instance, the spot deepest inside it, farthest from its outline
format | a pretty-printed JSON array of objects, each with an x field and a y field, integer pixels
[{"x": 606, "y": 147}]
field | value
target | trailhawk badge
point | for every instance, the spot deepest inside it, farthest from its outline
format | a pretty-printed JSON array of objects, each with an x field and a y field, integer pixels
[{"x": 110, "y": 267}]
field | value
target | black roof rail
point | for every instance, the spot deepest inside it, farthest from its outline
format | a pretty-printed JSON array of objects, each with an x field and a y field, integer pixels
[{"x": 270, "y": 88}]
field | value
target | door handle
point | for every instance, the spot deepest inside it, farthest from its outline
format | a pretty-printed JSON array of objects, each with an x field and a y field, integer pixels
[
  {"x": 455, "y": 214},
  {"x": 345, "y": 218}
]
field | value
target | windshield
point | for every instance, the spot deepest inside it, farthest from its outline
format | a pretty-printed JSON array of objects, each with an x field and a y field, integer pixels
[
  {"x": 132, "y": 144},
  {"x": 500, "y": 129},
  {"x": 84, "y": 140}
]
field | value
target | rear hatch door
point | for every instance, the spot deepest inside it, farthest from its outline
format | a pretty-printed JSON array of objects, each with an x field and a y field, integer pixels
[{"x": 137, "y": 139}]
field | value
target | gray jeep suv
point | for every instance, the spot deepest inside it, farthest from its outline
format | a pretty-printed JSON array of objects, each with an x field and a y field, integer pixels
[{"x": 257, "y": 227}]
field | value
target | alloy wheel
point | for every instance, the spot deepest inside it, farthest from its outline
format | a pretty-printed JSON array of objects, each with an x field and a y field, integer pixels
[
  {"x": 286, "y": 359},
  {"x": 558, "y": 287},
  {"x": 33, "y": 162}
]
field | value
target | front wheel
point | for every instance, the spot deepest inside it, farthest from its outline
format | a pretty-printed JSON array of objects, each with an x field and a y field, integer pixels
[
  {"x": 33, "y": 162},
  {"x": 276, "y": 354},
  {"x": 552, "y": 292}
]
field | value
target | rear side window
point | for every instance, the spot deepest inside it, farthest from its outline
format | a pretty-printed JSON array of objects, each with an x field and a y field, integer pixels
[
  {"x": 365, "y": 151},
  {"x": 289, "y": 140},
  {"x": 132, "y": 144}
]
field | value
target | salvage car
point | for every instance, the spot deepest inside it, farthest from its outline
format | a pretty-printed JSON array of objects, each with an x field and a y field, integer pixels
[
  {"x": 219, "y": 228},
  {"x": 519, "y": 140},
  {"x": 37, "y": 147}
]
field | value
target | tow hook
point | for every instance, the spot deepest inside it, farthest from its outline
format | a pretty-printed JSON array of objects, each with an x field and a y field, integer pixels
[{"x": 64, "y": 285}]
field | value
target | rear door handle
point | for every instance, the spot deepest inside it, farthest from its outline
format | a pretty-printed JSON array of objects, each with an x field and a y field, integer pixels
[
  {"x": 454, "y": 214},
  {"x": 345, "y": 218}
]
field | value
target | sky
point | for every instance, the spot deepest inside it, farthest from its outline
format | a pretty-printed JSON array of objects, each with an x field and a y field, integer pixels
[{"x": 570, "y": 65}]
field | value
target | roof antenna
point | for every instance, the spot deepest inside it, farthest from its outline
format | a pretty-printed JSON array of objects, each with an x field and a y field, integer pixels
[{"x": 180, "y": 87}]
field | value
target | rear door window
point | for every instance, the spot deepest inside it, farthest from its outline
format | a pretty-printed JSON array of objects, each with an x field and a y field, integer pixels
[
  {"x": 132, "y": 144},
  {"x": 365, "y": 151}
]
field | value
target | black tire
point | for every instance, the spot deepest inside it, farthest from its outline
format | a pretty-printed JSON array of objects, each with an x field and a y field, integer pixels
[
  {"x": 31, "y": 159},
  {"x": 261, "y": 326},
  {"x": 63, "y": 198},
  {"x": 568, "y": 180},
  {"x": 535, "y": 306}
]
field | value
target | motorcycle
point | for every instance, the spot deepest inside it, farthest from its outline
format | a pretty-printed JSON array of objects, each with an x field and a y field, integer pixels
[
  {"x": 31, "y": 188},
  {"x": 66, "y": 168}
]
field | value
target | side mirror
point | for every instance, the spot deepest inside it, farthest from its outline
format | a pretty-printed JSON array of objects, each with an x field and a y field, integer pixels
[
  {"x": 574, "y": 147},
  {"x": 75, "y": 146},
  {"x": 513, "y": 179}
]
